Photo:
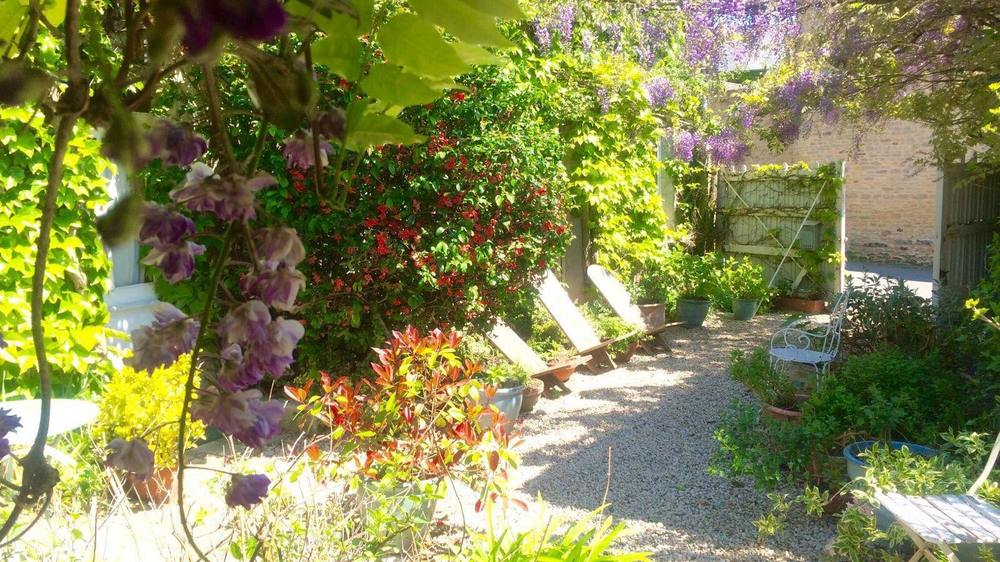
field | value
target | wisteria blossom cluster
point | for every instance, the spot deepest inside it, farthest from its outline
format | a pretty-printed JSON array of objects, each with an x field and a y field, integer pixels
[
  {"x": 659, "y": 91},
  {"x": 8, "y": 422},
  {"x": 726, "y": 33},
  {"x": 725, "y": 148}
]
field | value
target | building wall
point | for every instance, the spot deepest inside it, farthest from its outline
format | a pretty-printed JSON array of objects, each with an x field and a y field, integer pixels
[{"x": 890, "y": 199}]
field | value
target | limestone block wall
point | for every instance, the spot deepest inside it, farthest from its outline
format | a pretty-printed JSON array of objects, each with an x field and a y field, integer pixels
[{"x": 889, "y": 198}]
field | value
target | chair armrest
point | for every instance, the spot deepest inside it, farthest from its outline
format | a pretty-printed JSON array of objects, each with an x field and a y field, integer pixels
[{"x": 795, "y": 338}]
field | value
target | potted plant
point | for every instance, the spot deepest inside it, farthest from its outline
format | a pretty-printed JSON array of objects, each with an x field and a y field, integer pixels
[
  {"x": 772, "y": 387},
  {"x": 147, "y": 406},
  {"x": 610, "y": 326},
  {"x": 693, "y": 279},
  {"x": 411, "y": 425},
  {"x": 808, "y": 301},
  {"x": 532, "y": 393},
  {"x": 650, "y": 287},
  {"x": 742, "y": 285},
  {"x": 506, "y": 383}
]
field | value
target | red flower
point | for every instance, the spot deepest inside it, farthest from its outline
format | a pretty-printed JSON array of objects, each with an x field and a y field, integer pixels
[{"x": 458, "y": 96}]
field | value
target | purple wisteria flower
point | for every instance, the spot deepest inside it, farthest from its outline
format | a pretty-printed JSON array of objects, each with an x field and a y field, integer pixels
[
  {"x": 176, "y": 145},
  {"x": 543, "y": 37},
  {"x": 246, "y": 323},
  {"x": 229, "y": 412},
  {"x": 280, "y": 246},
  {"x": 171, "y": 335},
  {"x": 230, "y": 198},
  {"x": 299, "y": 151},
  {"x": 587, "y": 40},
  {"x": 265, "y": 427},
  {"x": 8, "y": 422},
  {"x": 659, "y": 91},
  {"x": 166, "y": 231},
  {"x": 726, "y": 148},
  {"x": 564, "y": 19},
  {"x": 684, "y": 144},
  {"x": 646, "y": 55},
  {"x": 278, "y": 286},
  {"x": 231, "y": 372},
  {"x": 204, "y": 20},
  {"x": 132, "y": 456},
  {"x": 247, "y": 490}
]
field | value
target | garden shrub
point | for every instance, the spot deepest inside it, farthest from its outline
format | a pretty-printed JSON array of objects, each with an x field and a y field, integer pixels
[
  {"x": 137, "y": 404},
  {"x": 885, "y": 314},
  {"x": 610, "y": 326},
  {"x": 754, "y": 370},
  {"x": 740, "y": 278}
]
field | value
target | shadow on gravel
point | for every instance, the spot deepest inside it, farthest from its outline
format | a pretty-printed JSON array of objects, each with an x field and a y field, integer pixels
[{"x": 660, "y": 439}]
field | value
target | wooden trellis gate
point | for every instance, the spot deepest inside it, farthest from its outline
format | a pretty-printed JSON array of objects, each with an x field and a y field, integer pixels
[
  {"x": 968, "y": 208},
  {"x": 790, "y": 219}
]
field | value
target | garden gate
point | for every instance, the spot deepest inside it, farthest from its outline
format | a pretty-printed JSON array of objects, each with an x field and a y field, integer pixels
[
  {"x": 790, "y": 219},
  {"x": 968, "y": 208}
]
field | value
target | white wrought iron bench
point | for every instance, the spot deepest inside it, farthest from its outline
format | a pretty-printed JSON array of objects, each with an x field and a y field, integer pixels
[
  {"x": 946, "y": 520},
  {"x": 816, "y": 348}
]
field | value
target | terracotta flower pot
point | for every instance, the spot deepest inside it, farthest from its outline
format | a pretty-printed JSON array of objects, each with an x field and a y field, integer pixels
[
  {"x": 795, "y": 304},
  {"x": 532, "y": 392},
  {"x": 782, "y": 414},
  {"x": 626, "y": 355},
  {"x": 155, "y": 490},
  {"x": 563, "y": 374}
]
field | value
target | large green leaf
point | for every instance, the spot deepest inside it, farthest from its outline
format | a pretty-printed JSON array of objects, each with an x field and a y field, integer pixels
[
  {"x": 375, "y": 129},
  {"x": 506, "y": 9},
  {"x": 475, "y": 55},
  {"x": 462, "y": 21},
  {"x": 12, "y": 11},
  {"x": 341, "y": 55},
  {"x": 395, "y": 86},
  {"x": 55, "y": 11},
  {"x": 414, "y": 44}
]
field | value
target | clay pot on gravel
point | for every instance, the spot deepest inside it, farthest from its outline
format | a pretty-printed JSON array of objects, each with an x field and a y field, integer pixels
[
  {"x": 781, "y": 414},
  {"x": 654, "y": 314},
  {"x": 532, "y": 392},
  {"x": 795, "y": 304},
  {"x": 155, "y": 490}
]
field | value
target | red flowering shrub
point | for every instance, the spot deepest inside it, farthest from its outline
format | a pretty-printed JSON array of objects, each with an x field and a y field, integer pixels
[
  {"x": 452, "y": 232},
  {"x": 417, "y": 419}
]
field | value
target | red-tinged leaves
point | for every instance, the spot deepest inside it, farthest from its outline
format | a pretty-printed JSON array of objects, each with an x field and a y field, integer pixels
[
  {"x": 479, "y": 505},
  {"x": 519, "y": 504},
  {"x": 313, "y": 452},
  {"x": 494, "y": 460}
]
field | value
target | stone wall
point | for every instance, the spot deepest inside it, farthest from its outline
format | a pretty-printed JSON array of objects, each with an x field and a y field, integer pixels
[{"x": 890, "y": 199}]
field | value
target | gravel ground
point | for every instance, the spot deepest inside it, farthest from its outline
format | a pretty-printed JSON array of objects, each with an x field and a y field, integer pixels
[{"x": 656, "y": 415}]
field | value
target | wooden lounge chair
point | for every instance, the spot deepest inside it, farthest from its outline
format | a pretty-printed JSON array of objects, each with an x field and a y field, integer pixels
[
  {"x": 517, "y": 351},
  {"x": 947, "y": 520},
  {"x": 580, "y": 333},
  {"x": 621, "y": 302}
]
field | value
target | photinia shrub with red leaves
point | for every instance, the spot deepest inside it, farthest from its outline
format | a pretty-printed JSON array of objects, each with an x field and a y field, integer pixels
[{"x": 417, "y": 418}]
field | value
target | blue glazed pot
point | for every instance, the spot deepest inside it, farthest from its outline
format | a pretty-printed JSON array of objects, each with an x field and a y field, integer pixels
[
  {"x": 744, "y": 309},
  {"x": 508, "y": 401},
  {"x": 857, "y": 467},
  {"x": 692, "y": 311}
]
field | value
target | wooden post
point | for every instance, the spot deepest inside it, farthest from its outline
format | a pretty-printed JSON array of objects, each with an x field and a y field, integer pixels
[
  {"x": 939, "y": 278},
  {"x": 574, "y": 270},
  {"x": 664, "y": 181},
  {"x": 841, "y": 230}
]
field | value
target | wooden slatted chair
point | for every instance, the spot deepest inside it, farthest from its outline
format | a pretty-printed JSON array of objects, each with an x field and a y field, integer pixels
[
  {"x": 946, "y": 520},
  {"x": 615, "y": 293},
  {"x": 517, "y": 351},
  {"x": 579, "y": 331}
]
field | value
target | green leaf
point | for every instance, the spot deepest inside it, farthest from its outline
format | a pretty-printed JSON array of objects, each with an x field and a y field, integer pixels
[
  {"x": 475, "y": 55},
  {"x": 395, "y": 86},
  {"x": 55, "y": 11},
  {"x": 416, "y": 45},
  {"x": 12, "y": 11},
  {"x": 506, "y": 9},
  {"x": 462, "y": 21},
  {"x": 340, "y": 55},
  {"x": 376, "y": 129}
]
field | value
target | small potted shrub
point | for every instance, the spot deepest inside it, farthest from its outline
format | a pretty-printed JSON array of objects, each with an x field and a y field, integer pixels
[
  {"x": 147, "y": 406},
  {"x": 807, "y": 301},
  {"x": 532, "y": 393},
  {"x": 509, "y": 380},
  {"x": 650, "y": 288},
  {"x": 742, "y": 284},
  {"x": 610, "y": 326},
  {"x": 772, "y": 387},
  {"x": 694, "y": 280}
]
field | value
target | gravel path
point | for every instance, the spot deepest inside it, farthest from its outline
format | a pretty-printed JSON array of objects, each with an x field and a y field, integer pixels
[{"x": 657, "y": 416}]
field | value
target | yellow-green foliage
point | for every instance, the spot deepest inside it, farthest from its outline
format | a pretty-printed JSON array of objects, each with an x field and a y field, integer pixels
[{"x": 138, "y": 404}]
